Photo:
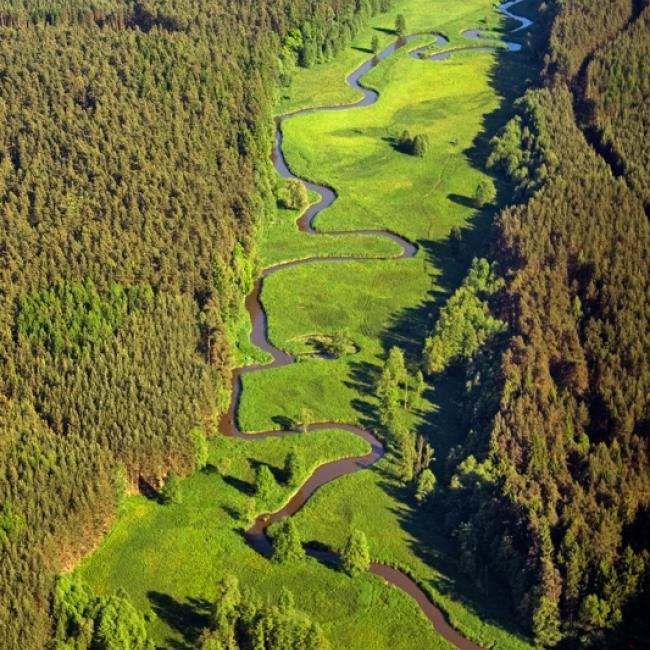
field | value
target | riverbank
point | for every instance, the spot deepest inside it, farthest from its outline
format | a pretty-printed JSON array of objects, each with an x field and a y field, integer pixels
[{"x": 375, "y": 303}]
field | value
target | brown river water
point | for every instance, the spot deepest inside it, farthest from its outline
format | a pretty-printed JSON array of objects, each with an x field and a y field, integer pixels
[{"x": 328, "y": 472}]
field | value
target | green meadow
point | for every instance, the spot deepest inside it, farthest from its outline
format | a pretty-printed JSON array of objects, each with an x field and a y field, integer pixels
[{"x": 169, "y": 558}]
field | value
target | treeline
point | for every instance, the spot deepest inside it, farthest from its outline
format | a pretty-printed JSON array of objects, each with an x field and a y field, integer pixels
[
  {"x": 618, "y": 89},
  {"x": 551, "y": 488},
  {"x": 238, "y": 619},
  {"x": 134, "y": 177},
  {"x": 578, "y": 28}
]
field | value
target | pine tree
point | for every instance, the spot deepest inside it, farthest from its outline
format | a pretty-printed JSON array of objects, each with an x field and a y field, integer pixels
[
  {"x": 265, "y": 484},
  {"x": 355, "y": 557},
  {"x": 294, "y": 467},
  {"x": 425, "y": 487},
  {"x": 225, "y": 610},
  {"x": 287, "y": 546},
  {"x": 485, "y": 194},
  {"x": 171, "y": 492},
  {"x": 400, "y": 25}
]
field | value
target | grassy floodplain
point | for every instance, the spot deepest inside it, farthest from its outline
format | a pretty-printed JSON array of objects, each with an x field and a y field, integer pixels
[{"x": 169, "y": 558}]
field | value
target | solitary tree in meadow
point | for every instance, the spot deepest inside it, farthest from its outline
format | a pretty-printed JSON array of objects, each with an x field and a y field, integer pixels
[
  {"x": 455, "y": 239},
  {"x": 287, "y": 546},
  {"x": 305, "y": 419},
  {"x": 355, "y": 557},
  {"x": 294, "y": 467},
  {"x": 485, "y": 194},
  {"x": 265, "y": 484},
  {"x": 420, "y": 145},
  {"x": 400, "y": 25},
  {"x": 375, "y": 44}
]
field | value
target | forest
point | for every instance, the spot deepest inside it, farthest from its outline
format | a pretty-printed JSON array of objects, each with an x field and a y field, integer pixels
[
  {"x": 135, "y": 188},
  {"x": 551, "y": 488},
  {"x": 134, "y": 176}
]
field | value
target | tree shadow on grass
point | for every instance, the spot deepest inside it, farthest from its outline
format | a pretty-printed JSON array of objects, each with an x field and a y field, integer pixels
[
  {"x": 409, "y": 328},
  {"x": 188, "y": 618},
  {"x": 385, "y": 30},
  {"x": 285, "y": 423},
  {"x": 366, "y": 50},
  {"x": 442, "y": 426},
  {"x": 489, "y": 601},
  {"x": 148, "y": 491},
  {"x": 465, "y": 201},
  {"x": 245, "y": 487},
  {"x": 278, "y": 473}
]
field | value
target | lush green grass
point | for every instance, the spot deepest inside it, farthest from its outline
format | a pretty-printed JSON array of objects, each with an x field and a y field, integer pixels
[
  {"x": 181, "y": 550},
  {"x": 170, "y": 557}
]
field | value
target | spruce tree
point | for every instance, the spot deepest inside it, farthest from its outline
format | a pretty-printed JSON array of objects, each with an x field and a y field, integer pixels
[
  {"x": 400, "y": 25},
  {"x": 287, "y": 546},
  {"x": 355, "y": 557},
  {"x": 171, "y": 492},
  {"x": 425, "y": 486},
  {"x": 294, "y": 467},
  {"x": 265, "y": 484}
]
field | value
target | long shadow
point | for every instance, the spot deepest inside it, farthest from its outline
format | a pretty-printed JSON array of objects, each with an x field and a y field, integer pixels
[
  {"x": 148, "y": 491},
  {"x": 243, "y": 486},
  {"x": 485, "y": 599},
  {"x": 385, "y": 30},
  {"x": 443, "y": 428},
  {"x": 465, "y": 201},
  {"x": 188, "y": 618}
]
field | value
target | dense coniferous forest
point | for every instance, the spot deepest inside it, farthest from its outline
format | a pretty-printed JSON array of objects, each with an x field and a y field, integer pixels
[
  {"x": 134, "y": 175},
  {"x": 617, "y": 84},
  {"x": 550, "y": 490}
]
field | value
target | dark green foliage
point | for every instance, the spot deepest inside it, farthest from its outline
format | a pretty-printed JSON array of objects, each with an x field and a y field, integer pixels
[
  {"x": 134, "y": 175},
  {"x": 374, "y": 45},
  {"x": 420, "y": 145},
  {"x": 355, "y": 556},
  {"x": 417, "y": 145},
  {"x": 485, "y": 194},
  {"x": 294, "y": 468},
  {"x": 400, "y": 25},
  {"x": 171, "y": 492},
  {"x": 241, "y": 621},
  {"x": 465, "y": 323},
  {"x": 287, "y": 546},
  {"x": 84, "y": 621},
  {"x": 265, "y": 484},
  {"x": 617, "y": 95},
  {"x": 579, "y": 28},
  {"x": 554, "y": 478}
]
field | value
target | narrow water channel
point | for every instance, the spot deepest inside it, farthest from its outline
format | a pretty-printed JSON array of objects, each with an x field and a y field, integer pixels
[{"x": 256, "y": 535}]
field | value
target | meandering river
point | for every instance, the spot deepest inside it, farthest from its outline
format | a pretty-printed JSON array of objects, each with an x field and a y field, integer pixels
[{"x": 328, "y": 472}]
